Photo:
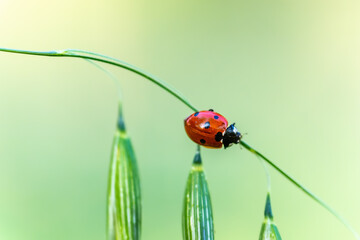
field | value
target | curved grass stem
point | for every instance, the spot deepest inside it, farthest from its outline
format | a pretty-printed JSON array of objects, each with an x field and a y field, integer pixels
[
  {"x": 268, "y": 178},
  {"x": 306, "y": 191},
  {"x": 105, "y": 59},
  {"x": 111, "y": 76},
  {"x": 113, "y": 61}
]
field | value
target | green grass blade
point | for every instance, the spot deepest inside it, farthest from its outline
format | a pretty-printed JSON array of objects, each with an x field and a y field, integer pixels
[
  {"x": 124, "y": 200},
  {"x": 109, "y": 60},
  {"x": 197, "y": 219},
  {"x": 176, "y": 94},
  {"x": 269, "y": 230},
  {"x": 306, "y": 191}
]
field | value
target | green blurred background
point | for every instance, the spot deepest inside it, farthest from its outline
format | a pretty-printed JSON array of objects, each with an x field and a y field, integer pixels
[{"x": 287, "y": 72}]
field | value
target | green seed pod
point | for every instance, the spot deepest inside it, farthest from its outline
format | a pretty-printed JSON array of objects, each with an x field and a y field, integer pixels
[
  {"x": 197, "y": 219},
  {"x": 124, "y": 202},
  {"x": 269, "y": 230}
]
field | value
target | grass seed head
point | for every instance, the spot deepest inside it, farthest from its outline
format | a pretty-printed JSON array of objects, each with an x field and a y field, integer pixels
[
  {"x": 197, "y": 219},
  {"x": 124, "y": 200},
  {"x": 269, "y": 230}
]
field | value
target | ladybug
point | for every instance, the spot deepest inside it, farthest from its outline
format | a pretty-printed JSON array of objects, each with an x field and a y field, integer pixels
[{"x": 211, "y": 130}]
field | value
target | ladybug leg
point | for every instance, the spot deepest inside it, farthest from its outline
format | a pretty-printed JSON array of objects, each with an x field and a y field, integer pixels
[{"x": 211, "y": 110}]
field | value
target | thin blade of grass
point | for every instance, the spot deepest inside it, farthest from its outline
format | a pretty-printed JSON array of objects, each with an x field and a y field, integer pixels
[
  {"x": 124, "y": 200},
  {"x": 176, "y": 94},
  {"x": 197, "y": 219},
  {"x": 109, "y": 60},
  {"x": 305, "y": 190},
  {"x": 269, "y": 230}
]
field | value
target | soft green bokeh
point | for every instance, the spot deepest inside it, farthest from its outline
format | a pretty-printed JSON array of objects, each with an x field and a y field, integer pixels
[{"x": 287, "y": 72}]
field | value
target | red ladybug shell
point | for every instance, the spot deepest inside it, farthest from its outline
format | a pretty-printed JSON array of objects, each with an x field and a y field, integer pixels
[{"x": 206, "y": 128}]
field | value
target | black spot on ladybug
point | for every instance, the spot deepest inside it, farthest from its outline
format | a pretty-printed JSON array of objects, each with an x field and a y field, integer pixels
[
  {"x": 206, "y": 125},
  {"x": 202, "y": 141},
  {"x": 218, "y": 137},
  {"x": 197, "y": 113},
  {"x": 211, "y": 110},
  {"x": 216, "y": 117}
]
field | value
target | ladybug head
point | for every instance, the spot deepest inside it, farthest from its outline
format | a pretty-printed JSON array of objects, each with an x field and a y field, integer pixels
[{"x": 231, "y": 136}]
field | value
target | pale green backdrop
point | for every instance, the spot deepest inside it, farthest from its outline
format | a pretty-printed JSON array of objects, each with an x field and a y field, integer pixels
[{"x": 287, "y": 72}]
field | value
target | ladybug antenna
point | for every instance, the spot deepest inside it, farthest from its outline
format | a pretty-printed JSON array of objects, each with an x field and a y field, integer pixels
[{"x": 231, "y": 136}]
